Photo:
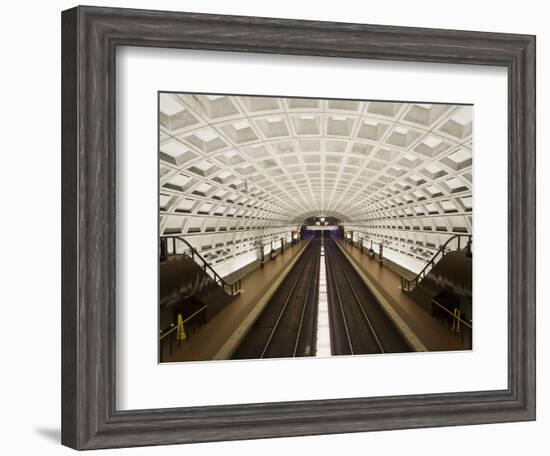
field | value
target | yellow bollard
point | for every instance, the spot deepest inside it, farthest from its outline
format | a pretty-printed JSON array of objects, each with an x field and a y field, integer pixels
[{"x": 180, "y": 333}]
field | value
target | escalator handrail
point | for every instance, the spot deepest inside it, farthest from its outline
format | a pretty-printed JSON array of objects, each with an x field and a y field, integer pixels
[
  {"x": 441, "y": 251},
  {"x": 235, "y": 287}
]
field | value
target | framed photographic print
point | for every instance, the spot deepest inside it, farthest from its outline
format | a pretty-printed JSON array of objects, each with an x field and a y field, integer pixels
[
  {"x": 279, "y": 228},
  {"x": 253, "y": 187}
]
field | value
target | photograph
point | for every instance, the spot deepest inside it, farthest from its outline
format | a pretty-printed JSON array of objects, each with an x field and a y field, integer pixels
[{"x": 313, "y": 227}]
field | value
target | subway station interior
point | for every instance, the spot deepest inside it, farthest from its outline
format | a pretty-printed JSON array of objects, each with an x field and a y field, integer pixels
[{"x": 293, "y": 227}]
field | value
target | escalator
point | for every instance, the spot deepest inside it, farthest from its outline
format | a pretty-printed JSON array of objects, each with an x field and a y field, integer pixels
[
  {"x": 444, "y": 286},
  {"x": 449, "y": 284},
  {"x": 187, "y": 284}
]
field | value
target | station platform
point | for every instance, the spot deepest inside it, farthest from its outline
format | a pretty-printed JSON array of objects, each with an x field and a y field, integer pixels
[
  {"x": 219, "y": 337},
  {"x": 426, "y": 332}
]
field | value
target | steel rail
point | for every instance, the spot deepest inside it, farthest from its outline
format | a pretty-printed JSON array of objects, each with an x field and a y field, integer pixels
[
  {"x": 339, "y": 298},
  {"x": 285, "y": 305},
  {"x": 304, "y": 307},
  {"x": 359, "y": 303}
]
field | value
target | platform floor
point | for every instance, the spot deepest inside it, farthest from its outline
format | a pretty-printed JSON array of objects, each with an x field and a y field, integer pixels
[
  {"x": 434, "y": 335},
  {"x": 211, "y": 340}
]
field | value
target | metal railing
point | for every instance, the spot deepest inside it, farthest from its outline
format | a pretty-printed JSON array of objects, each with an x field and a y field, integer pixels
[
  {"x": 454, "y": 315},
  {"x": 232, "y": 289},
  {"x": 173, "y": 334},
  {"x": 410, "y": 284},
  {"x": 455, "y": 323}
]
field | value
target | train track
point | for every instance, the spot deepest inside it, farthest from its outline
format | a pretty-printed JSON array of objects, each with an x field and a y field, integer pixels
[
  {"x": 358, "y": 324},
  {"x": 287, "y": 325}
]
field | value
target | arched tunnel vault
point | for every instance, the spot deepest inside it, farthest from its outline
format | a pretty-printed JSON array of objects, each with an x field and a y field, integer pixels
[{"x": 239, "y": 171}]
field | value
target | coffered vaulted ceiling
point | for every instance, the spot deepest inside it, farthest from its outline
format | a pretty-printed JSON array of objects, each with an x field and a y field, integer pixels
[{"x": 242, "y": 162}]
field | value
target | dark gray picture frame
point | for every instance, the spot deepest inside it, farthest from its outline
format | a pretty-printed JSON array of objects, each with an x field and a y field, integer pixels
[{"x": 90, "y": 37}]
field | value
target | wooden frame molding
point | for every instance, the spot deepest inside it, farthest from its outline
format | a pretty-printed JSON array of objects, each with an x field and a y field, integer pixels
[{"x": 90, "y": 36}]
